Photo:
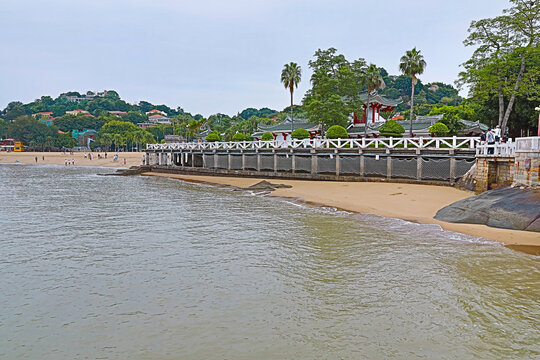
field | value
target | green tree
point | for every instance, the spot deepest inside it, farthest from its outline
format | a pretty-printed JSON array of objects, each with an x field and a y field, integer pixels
[
  {"x": 3, "y": 128},
  {"x": 14, "y": 113},
  {"x": 105, "y": 139},
  {"x": 391, "y": 128},
  {"x": 267, "y": 136},
  {"x": 337, "y": 132},
  {"x": 412, "y": 64},
  {"x": 26, "y": 128},
  {"x": 300, "y": 134},
  {"x": 499, "y": 65},
  {"x": 439, "y": 129},
  {"x": 290, "y": 77}
]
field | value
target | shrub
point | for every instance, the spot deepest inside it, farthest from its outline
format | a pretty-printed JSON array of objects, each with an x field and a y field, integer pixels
[
  {"x": 337, "y": 132},
  {"x": 391, "y": 128},
  {"x": 267, "y": 136},
  {"x": 248, "y": 137},
  {"x": 238, "y": 137},
  {"x": 212, "y": 137},
  {"x": 300, "y": 134},
  {"x": 439, "y": 129}
]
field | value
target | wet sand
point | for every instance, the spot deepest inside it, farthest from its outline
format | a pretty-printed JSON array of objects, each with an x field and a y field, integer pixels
[
  {"x": 58, "y": 158},
  {"x": 411, "y": 202}
]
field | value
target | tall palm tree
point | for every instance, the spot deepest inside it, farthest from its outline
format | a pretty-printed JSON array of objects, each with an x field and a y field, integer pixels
[
  {"x": 290, "y": 77},
  {"x": 373, "y": 81},
  {"x": 412, "y": 64}
]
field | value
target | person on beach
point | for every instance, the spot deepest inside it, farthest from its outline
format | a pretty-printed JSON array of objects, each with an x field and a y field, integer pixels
[
  {"x": 125, "y": 158},
  {"x": 105, "y": 155},
  {"x": 36, "y": 158},
  {"x": 43, "y": 158},
  {"x": 85, "y": 155},
  {"x": 143, "y": 158}
]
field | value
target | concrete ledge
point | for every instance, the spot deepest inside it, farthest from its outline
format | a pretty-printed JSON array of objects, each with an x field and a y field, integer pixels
[{"x": 290, "y": 176}]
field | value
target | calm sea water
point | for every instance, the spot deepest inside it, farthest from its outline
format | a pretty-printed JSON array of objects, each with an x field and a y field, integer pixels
[{"x": 96, "y": 267}]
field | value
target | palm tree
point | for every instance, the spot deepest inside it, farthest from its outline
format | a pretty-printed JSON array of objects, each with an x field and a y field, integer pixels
[
  {"x": 412, "y": 64},
  {"x": 106, "y": 140},
  {"x": 290, "y": 77},
  {"x": 373, "y": 81},
  {"x": 117, "y": 140}
]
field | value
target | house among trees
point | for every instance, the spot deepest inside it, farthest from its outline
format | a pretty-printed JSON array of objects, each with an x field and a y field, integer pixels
[
  {"x": 283, "y": 130},
  {"x": 78, "y": 112},
  {"x": 89, "y": 96},
  {"x": 156, "y": 112},
  {"x": 43, "y": 115},
  {"x": 117, "y": 113}
]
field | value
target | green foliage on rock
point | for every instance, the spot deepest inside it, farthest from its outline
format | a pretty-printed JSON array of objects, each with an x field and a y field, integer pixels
[
  {"x": 267, "y": 136},
  {"x": 213, "y": 137},
  {"x": 337, "y": 132},
  {"x": 439, "y": 129},
  {"x": 300, "y": 134},
  {"x": 391, "y": 128}
]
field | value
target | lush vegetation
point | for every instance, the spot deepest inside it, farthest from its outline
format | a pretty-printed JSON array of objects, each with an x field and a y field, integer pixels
[
  {"x": 439, "y": 129},
  {"x": 391, "y": 128},
  {"x": 212, "y": 137},
  {"x": 300, "y": 134},
  {"x": 267, "y": 136},
  {"x": 337, "y": 132}
]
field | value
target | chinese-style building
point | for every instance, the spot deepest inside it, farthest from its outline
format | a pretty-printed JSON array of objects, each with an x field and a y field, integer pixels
[
  {"x": 282, "y": 131},
  {"x": 377, "y": 104}
]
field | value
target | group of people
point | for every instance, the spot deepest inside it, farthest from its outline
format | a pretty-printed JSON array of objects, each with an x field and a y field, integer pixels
[
  {"x": 69, "y": 162},
  {"x": 491, "y": 137}
]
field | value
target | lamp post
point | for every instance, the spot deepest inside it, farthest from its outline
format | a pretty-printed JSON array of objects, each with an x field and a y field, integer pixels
[{"x": 538, "y": 109}]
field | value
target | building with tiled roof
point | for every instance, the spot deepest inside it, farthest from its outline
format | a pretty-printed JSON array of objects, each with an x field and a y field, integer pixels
[
  {"x": 283, "y": 130},
  {"x": 420, "y": 127}
]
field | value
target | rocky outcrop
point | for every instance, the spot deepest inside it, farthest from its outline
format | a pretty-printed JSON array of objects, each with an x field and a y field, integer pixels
[
  {"x": 266, "y": 186},
  {"x": 508, "y": 208}
]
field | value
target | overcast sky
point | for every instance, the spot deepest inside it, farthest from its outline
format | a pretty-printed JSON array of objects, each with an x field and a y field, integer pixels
[{"x": 210, "y": 56}]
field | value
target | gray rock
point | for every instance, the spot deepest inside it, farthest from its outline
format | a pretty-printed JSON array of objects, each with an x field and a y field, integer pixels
[{"x": 508, "y": 208}]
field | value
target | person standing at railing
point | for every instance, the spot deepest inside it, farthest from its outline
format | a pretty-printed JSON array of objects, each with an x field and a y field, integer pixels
[
  {"x": 483, "y": 138},
  {"x": 497, "y": 133},
  {"x": 490, "y": 136}
]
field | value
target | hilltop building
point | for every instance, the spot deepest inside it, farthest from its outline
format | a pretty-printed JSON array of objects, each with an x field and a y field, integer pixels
[
  {"x": 78, "y": 112},
  {"x": 377, "y": 104},
  {"x": 86, "y": 97}
]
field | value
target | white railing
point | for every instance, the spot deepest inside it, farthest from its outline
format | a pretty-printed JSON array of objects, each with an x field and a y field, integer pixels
[
  {"x": 363, "y": 143},
  {"x": 498, "y": 149}
]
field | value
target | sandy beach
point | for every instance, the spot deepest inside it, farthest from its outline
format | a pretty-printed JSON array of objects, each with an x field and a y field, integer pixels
[
  {"x": 411, "y": 202},
  {"x": 58, "y": 158}
]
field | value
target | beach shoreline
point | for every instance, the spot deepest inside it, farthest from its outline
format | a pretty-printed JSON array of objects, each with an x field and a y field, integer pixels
[
  {"x": 410, "y": 202},
  {"x": 59, "y": 158}
]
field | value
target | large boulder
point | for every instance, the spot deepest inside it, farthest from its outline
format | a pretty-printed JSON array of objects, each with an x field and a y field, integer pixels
[{"x": 508, "y": 208}]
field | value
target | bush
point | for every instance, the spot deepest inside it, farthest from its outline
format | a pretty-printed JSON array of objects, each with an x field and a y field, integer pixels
[
  {"x": 248, "y": 137},
  {"x": 238, "y": 137},
  {"x": 212, "y": 137},
  {"x": 439, "y": 129},
  {"x": 337, "y": 132},
  {"x": 300, "y": 134},
  {"x": 391, "y": 128},
  {"x": 267, "y": 136}
]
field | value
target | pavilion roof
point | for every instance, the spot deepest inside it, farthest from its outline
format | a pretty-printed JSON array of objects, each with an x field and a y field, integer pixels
[
  {"x": 285, "y": 126},
  {"x": 380, "y": 99}
]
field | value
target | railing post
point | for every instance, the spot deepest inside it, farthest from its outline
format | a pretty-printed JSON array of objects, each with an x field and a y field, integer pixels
[
  {"x": 216, "y": 161},
  {"x": 228, "y": 159},
  {"x": 362, "y": 163},
  {"x": 388, "y": 164},
  {"x": 337, "y": 162},
  {"x": 275, "y": 160},
  {"x": 313, "y": 162},
  {"x": 243, "y": 160},
  {"x": 418, "y": 164},
  {"x": 258, "y": 160},
  {"x": 293, "y": 162},
  {"x": 452, "y": 166}
]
